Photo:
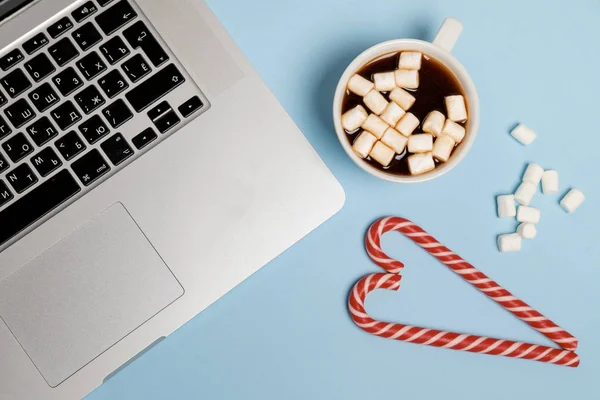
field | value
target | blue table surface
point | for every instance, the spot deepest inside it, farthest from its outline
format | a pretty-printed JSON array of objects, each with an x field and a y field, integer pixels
[{"x": 285, "y": 333}]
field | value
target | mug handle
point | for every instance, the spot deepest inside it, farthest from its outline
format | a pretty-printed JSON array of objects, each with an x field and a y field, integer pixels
[{"x": 448, "y": 34}]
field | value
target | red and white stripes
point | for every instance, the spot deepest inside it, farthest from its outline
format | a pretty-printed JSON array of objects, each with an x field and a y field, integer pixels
[{"x": 434, "y": 337}]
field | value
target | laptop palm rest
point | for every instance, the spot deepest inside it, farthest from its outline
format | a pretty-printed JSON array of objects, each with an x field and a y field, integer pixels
[{"x": 84, "y": 294}]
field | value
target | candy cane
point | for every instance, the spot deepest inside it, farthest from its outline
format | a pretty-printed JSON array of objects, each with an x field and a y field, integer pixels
[{"x": 434, "y": 337}]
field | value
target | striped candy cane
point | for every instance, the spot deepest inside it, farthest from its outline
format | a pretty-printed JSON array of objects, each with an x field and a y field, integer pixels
[{"x": 434, "y": 337}]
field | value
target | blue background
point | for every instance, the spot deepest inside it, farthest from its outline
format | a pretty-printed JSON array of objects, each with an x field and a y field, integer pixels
[{"x": 285, "y": 333}]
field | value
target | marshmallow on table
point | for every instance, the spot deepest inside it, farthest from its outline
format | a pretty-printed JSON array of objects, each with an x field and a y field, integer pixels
[
  {"x": 382, "y": 154},
  {"x": 528, "y": 214},
  {"x": 442, "y": 148},
  {"x": 454, "y": 130},
  {"x": 456, "y": 108},
  {"x": 525, "y": 193},
  {"x": 359, "y": 85},
  {"x": 407, "y": 124},
  {"x": 433, "y": 123},
  {"x": 420, "y": 163},
  {"x": 407, "y": 78},
  {"x": 420, "y": 143},
  {"x": 572, "y": 200},
  {"x": 509, "y": 242},
  {"x": 363, "y": 144},
  {"x": 523, "y": 134},
  {"x": 402, "y": 98},
  {"x": 392, "y": 113},
  {"x": 375, "y": 101},
  {"x": 394, "y": 140},
  {"x": 550, "y": 182},
  {"x": 527, "y": 230},
  {"x": 410, "y": 60},
  {"x": 533, "y": 174},
  {"x": 506, "y": 206},
  {"x": 354, "y": 118},
  {"x": 384, "y": 81},
  {"x": 375, "y": 125}
]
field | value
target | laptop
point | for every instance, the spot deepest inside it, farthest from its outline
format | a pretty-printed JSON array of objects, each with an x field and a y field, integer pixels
[{"x": 145, "y": 171}]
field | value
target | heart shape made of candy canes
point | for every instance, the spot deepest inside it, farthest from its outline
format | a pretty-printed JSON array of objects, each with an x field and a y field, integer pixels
[{"x": 451, "y": 340}]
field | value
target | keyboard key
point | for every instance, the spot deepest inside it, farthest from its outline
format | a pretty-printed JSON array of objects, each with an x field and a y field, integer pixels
[
  {"x": 155, "y": 87},
  {"x": 43, "y": 97},
  {"x": 70, "y": 145},
  {"x": 67, "y": 81},
  {"x": 84, "y": 11},
  {"x": 4, "y": 128},
  {"x": 159, "y": 110},
  {"x": 17, "y": 147},
  {"x": 190, "y": 106},
  {"x": 35, "y": 43},
  {"x": 63, "y": 51},
  {"x": 87, "y": 36},
  {"x": 3, "y": 164},
  {"x": 91, "y": 65},
  {"x": 90, "y": 167},
  {"x": 19, "y": 113},
  {"x": 143, "y": 139},
  {"x": 46, "y": 161},
  {"x": 41, "y": 131},
  {"x": 37, "y": 203},
  {"x": 115, "y": 17},
  {"x": 139, "y": 36},
  {"x": 116, "y": 149},
  {"x": 166, "y": 122},
  {"x": 114, "y": 50},
  {"x": 60, "y": 27},
  {"x": 10, "y": 59},
  {"x": 65, "y": 115},
  {"x": 93, "y": 129},
  {"x": 5, "y": 194},
  {"x": 136, "y": 68},
  {"x": 39, "y": 67},
  {"x": 113, "y": 83},
  {"x": 21, "y": 178},
  {"x": 16, "y": 83},
  {"x": 89, "y": 99},
  {"x": 117, "y": 113}
]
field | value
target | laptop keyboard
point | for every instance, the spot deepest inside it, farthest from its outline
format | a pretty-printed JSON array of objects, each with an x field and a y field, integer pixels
[{"x": 79, "y": 100}]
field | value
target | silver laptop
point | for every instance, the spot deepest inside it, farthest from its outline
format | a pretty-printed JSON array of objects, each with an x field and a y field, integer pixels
[{"x": 145, "y": 170}]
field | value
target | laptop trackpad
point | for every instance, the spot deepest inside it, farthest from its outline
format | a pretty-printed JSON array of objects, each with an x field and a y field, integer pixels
[{"x": 86, "y": 293}]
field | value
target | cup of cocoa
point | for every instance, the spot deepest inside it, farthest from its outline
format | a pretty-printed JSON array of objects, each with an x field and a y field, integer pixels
[{"x": 406, "y": 110}]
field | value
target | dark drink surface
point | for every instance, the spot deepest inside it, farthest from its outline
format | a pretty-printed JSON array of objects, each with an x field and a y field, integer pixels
[{"x": 435, "y": 83}]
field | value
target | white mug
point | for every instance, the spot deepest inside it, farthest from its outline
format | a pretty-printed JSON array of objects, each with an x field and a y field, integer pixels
[{"x": 440, "y": 50}]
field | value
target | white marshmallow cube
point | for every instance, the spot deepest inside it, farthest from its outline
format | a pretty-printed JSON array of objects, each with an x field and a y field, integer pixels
[
  {"x": 363, "y": 144},
  {"x": 550, "y": 182},
  {"x": 572, "y": 200},
  {"x": 509, "y": 242},
  {"x": 392, "y": 113},
  {"x": 394, "y": 140},
  {"x": 375, "y": 125},
  {"x": 442, "y": 148},
  {"x": 533, "y": 174},
  {"x": 527, "y": 231},
  {"x": 407, "y": 124},
  {"x": 375, "y": 101},
  {"x": 420, "y": 163},
  {"x": 525, "y": 193},
  {"x": 359, "y": 85},
  {"x": 382, "y": 154},
  {"x": 456, "y": 109},
  {"x": 354, "y": 118},
  {"x": 410, "y": 60},
  {"x": 433, "y": 123},
  {"x": 420, "y": 143},
  {"x": 454, "y": 130},
  {"x": 506, "y": 206},
  {"x": 523, "y": 134},
  {"x": 407, "y": 78},
  {"x": 402, "y": 98},
  {"x": 384, "y": 81},
  {"x": 528, "y": 214}
]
